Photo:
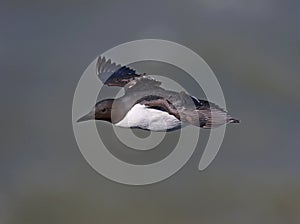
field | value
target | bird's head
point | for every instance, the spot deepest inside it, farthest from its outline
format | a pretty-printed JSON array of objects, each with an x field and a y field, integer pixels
[{"x": 101, "y": 111}]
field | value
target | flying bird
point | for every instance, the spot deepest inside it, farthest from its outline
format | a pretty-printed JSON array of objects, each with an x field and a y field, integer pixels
[{"x": 146, "y": 105}]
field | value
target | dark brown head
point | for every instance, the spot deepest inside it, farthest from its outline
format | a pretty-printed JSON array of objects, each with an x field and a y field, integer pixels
[{"x": 101, "y": 111}]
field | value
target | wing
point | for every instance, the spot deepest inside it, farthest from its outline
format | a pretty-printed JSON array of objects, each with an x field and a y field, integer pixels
[
  {"x": 113, "y": 74},
  {"x": 159, "y": 103},
  {"x": 206, "y": 117}
]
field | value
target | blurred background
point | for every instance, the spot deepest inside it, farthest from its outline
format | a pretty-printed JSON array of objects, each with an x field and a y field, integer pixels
[{"x": 252, "y": 46}]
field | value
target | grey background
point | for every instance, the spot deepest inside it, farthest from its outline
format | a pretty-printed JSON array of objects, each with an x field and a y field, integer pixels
[{"x": 253, "y": 48}]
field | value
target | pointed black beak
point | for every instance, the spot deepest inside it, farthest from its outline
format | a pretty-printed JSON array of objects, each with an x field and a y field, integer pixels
[{"x": 86, "y": 117}]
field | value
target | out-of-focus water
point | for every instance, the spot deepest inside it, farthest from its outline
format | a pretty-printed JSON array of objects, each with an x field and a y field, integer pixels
[{"x": 253, "y": 48}]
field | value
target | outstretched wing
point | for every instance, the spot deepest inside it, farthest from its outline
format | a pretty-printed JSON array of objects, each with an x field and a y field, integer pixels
[{"x": 113, "y": 74}]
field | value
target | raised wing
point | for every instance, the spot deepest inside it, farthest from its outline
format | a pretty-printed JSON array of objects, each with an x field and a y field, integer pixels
[{"x": 113, "y": 74}]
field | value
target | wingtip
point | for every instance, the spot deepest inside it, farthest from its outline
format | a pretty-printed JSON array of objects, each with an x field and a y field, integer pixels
[{"x": 99, "y": 62}]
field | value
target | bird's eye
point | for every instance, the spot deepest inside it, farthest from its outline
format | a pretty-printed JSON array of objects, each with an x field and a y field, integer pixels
[{"x": 103, "y": 110}]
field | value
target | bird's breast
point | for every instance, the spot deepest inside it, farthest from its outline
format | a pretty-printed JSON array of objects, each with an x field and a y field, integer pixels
[{"x": 148, "y": 118}]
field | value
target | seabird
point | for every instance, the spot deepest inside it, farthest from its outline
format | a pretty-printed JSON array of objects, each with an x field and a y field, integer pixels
[{"x": 146, "y": 105}]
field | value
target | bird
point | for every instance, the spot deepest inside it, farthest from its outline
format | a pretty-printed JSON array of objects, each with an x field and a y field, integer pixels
[{"x": 146, "y": 105}]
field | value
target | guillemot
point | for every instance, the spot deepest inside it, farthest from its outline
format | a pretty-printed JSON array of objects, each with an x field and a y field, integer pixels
[{"x": 146, "y": 105}]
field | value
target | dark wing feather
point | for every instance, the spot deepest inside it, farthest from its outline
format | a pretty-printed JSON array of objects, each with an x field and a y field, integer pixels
[
  {"x": 203, "y": 104},
  {"x": 159, "y": 103},
  {"x": 142, "y": 83},
  {"x": 112, "y": 74}
]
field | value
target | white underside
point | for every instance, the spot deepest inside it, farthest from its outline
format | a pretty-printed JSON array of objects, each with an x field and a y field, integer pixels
[{"x": 151, "y": 119}]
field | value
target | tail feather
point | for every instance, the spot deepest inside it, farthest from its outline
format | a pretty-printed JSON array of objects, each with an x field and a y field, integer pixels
[{"x": 215, "y": 118}]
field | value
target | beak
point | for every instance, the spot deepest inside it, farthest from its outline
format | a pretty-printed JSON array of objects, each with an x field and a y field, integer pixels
[{"x": 89, "y": 116}]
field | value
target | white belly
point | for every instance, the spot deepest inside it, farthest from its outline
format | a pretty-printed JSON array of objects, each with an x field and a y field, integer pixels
[{"x": 151, "y": 119}]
